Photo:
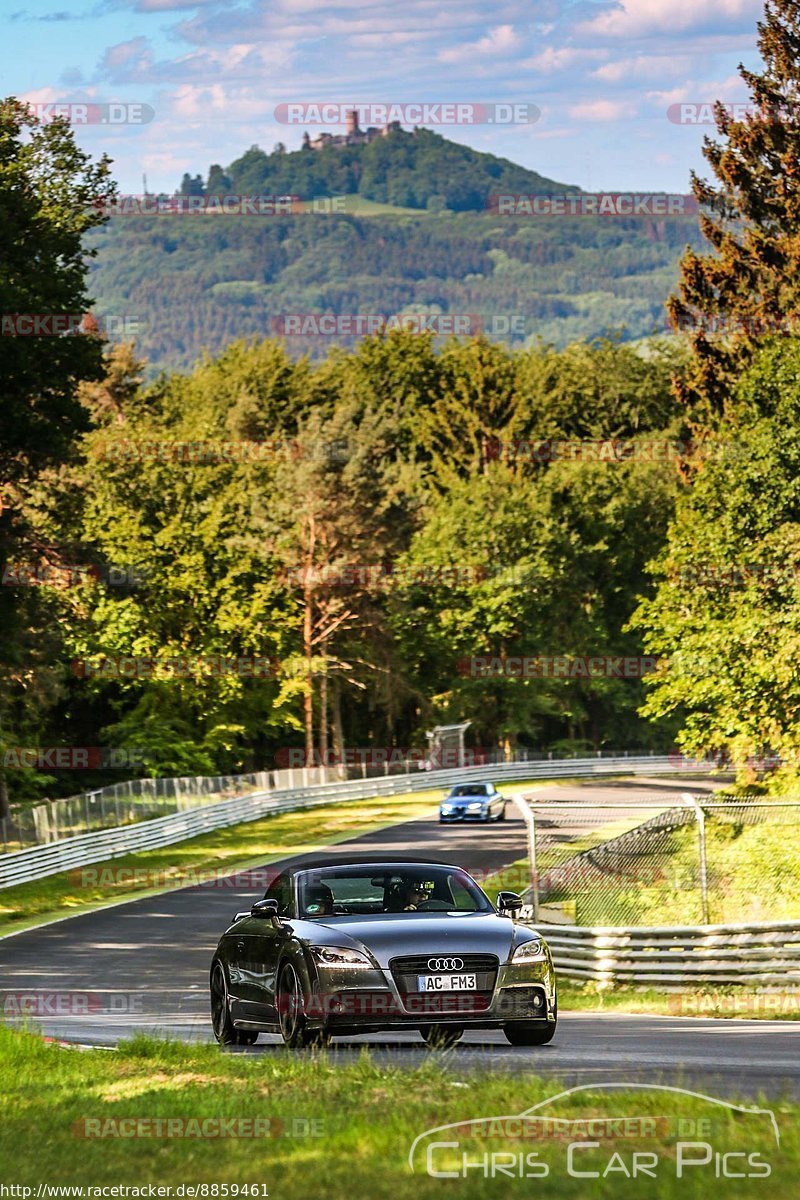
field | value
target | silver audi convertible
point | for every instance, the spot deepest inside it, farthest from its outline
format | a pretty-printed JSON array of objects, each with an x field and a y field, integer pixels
[{"x": 347, "y": 947}]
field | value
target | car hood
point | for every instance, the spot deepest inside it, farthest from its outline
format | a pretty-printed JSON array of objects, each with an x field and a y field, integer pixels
[{"x": 398, "y": 934}]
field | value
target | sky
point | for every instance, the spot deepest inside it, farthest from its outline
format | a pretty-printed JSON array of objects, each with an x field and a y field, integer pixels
[{"x": 600, "y": 76}]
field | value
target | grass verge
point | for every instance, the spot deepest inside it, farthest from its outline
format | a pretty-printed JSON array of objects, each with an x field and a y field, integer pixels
[
  {"x": 309, "y": 1126},
  {"x": 742, "y": 1003}
]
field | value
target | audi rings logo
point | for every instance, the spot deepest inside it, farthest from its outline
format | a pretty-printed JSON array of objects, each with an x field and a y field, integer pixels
[{"x": 445, "y": 964}]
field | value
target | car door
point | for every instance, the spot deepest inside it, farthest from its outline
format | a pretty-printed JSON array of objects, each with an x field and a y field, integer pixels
[{"x": 266, "y": 940}]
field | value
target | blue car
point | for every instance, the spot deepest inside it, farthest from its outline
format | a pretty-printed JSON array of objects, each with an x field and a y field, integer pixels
[{"x": 473, "y": 802}]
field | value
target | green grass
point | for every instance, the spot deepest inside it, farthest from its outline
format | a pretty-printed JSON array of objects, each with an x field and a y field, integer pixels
[
  {"x": 360, "y": 206},
  {"x": 236, "y": 848},
  {"x": 744, "y": 1003},
  {"x": 346, "y": 1129}
]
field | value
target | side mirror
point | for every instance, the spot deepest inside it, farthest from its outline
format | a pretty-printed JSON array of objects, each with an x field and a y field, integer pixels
[
  {"x": 266, "y": 909},
  {"x": 508, "y": 902}
]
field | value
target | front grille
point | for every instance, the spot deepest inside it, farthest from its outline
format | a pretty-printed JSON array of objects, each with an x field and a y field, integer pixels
[
  {"x": 418, "y": 963},
  {"x": 483, "y": 966}
]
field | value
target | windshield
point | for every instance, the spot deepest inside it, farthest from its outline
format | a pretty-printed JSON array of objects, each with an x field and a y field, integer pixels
[
  {"x": 376, "y": 891},
  {"x": 470, "y": 789}
]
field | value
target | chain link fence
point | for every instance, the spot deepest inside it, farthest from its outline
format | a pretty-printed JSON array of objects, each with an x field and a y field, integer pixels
[
  {"x": 705, "y": 860},
  {"x": 144, "y": 799}
]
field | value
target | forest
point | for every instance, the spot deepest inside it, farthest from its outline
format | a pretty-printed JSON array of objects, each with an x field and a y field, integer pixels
[
  {"x": 408, "y": 224},
  {"x": 207, "y": 567}
]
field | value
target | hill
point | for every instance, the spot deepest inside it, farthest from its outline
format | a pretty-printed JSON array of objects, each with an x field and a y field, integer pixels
[
  {"x": 419, "y": 170},
  {"x": 199, "y": 281}
]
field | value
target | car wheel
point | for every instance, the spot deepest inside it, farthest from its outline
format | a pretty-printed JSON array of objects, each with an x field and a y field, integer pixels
[
  {"x": 441, "y": 1037},
  {"x": 502, "y": 816},
  {"x": 525, "y": 1033},
  {"x": 292, "y": 1015},
  {"x": 225, "y": 1031}
]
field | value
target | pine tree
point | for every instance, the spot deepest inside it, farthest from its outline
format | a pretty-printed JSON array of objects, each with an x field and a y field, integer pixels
[{"x": 748, "y": 286}]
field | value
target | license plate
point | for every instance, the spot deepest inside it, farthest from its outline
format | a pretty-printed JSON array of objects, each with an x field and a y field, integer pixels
[{"x": 446, "y": 983}]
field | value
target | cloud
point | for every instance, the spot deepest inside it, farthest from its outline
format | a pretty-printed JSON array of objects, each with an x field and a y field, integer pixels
[
  {"x": 561, "y": 58},
  {"x": 129, "y": 59},
  {"x": 498, "y": 41},
  {"x": 700, "y": 91},
  {"x": 644, "y": 66},
  {"x": 601, "y": 110},
  {"x": 640, "y": 18}
]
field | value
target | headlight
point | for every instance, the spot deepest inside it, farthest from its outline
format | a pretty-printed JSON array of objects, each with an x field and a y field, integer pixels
[
  {"x": 475, "y": 806},
  {"x": 529, "y": 951},
  {"x": 338, "y": 956}
]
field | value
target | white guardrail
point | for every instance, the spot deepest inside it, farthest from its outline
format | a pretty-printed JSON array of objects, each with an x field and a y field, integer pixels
[
  {"x": 676, "y": 957},
  {"x": 24, "y": 866}
]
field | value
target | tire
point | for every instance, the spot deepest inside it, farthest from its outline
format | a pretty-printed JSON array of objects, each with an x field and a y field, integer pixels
[
  {"x": 225, "y": 1031},
  {"x": 502, "y": 816},
  {"x": 291, "y": 1013},
  {"x": 441, "y": 1037},
  {"x": 524, "y": 1033}
]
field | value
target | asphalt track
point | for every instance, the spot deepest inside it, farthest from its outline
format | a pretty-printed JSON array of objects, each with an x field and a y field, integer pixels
[{"x": 142, "y": 966}]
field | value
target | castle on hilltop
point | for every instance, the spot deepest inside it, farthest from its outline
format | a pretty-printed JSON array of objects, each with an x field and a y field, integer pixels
[{"x": 352, "y": 136}]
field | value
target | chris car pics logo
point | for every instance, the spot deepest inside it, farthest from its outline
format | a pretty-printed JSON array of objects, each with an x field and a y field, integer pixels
[{"x": 651, "y": 1131}]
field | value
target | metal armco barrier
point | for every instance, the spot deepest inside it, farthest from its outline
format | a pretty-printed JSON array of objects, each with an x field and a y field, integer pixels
[
  {"x": 23, "y": 866},
  {"x": 676, "y": 957}
]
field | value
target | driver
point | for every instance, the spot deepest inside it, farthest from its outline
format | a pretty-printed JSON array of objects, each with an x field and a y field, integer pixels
[
  {"x": 412, "y": 895},
  {"x": 319, "y": 900}
]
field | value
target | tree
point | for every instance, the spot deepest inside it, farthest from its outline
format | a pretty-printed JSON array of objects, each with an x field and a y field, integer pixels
[
  {"x": 218, "y": 182},
  {"x": 725, "y": 616},
  {"x": 110, "y": 398},
  {"x": 192, "y": 186},
  {"x": 748, "y": 286},
  {"x": 338, "y": 514},
  {"x": 50, "y": 196}
]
